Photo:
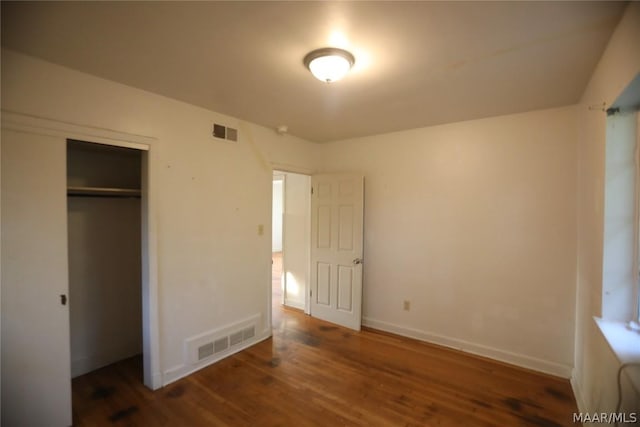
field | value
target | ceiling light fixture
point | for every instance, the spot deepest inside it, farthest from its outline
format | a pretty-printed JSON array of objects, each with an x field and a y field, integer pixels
[{"x": 329, "y": 64}]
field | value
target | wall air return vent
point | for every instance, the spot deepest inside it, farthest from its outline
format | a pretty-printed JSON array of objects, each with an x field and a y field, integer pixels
[
  {"x": 220, "y": 345},
  {"x": 215, "y": 344},
  {"x": 249, "y": 332},
  {"x": 224, "y": 132},
  {"x": 235, "y": 338},
  {"x": 205, "y": 351}
]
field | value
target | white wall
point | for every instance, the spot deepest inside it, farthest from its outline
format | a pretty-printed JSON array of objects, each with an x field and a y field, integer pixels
[
  {"x": 105, "y": 300},
  {"x": 209, "y": 196},
  {"x": 474, "y": 224},
  {"x": 619, "y": 65},
  {"x": 277, "y": 210},
  {"x": 297, "y": 236}
]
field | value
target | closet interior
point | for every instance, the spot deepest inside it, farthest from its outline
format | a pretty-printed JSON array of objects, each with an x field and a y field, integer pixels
[{"x": 104, "y": 243}]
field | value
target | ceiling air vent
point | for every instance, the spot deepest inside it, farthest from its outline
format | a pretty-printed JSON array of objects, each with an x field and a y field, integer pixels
[{"x": 223, "y": 132}]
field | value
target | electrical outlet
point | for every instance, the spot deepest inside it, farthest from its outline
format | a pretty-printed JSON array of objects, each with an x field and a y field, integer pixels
[
  {"x": 406, "y": 305},
  {"x": 260, "y": 229}
]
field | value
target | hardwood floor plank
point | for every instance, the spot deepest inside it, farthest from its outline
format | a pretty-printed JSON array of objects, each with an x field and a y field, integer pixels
[{"x": 312, "y": 373}]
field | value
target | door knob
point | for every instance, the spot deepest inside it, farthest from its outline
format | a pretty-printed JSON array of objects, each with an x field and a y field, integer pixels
[{"x": 357, "y": 261}]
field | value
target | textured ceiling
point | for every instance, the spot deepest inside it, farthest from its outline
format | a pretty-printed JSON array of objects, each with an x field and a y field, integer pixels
[{"x": 417, "y": 63}]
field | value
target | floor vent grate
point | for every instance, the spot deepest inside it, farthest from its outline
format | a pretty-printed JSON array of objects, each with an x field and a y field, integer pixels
[
  {"x": 208, "y": 345},
  {"x": 205, "y": 351},
  {"x": 220, "y": 345}
]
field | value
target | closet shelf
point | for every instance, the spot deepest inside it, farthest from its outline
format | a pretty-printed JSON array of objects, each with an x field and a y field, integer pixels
[{"x": 103, "y": 192}]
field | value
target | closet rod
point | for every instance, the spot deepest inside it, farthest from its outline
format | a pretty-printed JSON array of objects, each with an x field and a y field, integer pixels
[
  {"x": 102, "y": 192},
  {"x": 104, "y": 196}
]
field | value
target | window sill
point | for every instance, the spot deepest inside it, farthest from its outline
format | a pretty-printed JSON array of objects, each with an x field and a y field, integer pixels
[{"x": 625, "y": 344}]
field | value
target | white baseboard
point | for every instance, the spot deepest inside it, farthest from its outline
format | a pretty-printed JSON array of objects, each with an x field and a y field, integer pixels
[
  {"x": 156, "y": 381},
  {"x": 181, "y": 371},
  {"x": 192, "y": 361},
  {"x": 582, "y": 408},
  {"x": 85, "y": 365},
  {"x": 295, "y": 304},
  {"x": 521, "y": 360}
]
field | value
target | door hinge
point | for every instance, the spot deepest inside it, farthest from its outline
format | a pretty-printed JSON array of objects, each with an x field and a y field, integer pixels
[
  {"x": 310, "y": 292},
  {"x": 312, "y": 191}
]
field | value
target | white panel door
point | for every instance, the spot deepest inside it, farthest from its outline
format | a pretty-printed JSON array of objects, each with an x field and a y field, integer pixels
[
  {"x": 337, "y": 211},
  {"x": 36, "y": 372}
]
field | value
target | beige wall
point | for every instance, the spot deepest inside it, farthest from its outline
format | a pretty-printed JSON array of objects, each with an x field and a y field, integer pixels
[
  {"x": 618, "y": 66},
  {"x": 479, "y": 224},
  {"x": 474, "y": 224},
  {"x": 209, "y": 196}
]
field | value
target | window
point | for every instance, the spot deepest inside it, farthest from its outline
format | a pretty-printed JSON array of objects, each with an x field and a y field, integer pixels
[
  {"x": 621, "y": 251},
  {"x": 636, "y": 316}
]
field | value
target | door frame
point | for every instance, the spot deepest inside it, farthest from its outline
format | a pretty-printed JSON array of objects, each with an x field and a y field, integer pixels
[
  {"x": 283, "y": 180},
  {"x": 277, "y": 167},
  {"x": 152, "y": 377}
]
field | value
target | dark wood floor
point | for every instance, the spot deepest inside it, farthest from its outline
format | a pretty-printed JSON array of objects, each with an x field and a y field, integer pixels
[{"x": 312, "y": 373}]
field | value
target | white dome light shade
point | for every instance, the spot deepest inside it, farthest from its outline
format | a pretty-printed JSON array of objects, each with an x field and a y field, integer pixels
[
  {"x": 329, "y": 68},
  {"x": 329, "y": 64}
]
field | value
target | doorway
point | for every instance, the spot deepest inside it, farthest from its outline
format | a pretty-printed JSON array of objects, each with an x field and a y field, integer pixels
[
  {"x": 291, "y": 231},
  {"x": 277, "y": 217},
  {"x": 105, "y": 222}
]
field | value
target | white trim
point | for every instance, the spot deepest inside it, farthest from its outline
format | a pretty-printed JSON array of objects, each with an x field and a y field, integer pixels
[
  {"x": 636, "y": 246},
  {"x": 180, "y": 371},
  {"x": 622, "y": 341},
  {"x": 577, "y": 393},
  {"x": 191, "y": 344},
  {"x": 32, "y": 124},
  {"x": 521, "y": 360},
  {"x": 20, "y": 122},
  {"x": 283, "y": 167},
  {"x": 156, "y": 380},
  {"x": 283, "y": 239},
  {"x": 280, "y": 173},
  {"x": 151, "y": 318},
  {"x": 283, "y": 280},
  {"x": 295, "y": 304},
  {"x": 1, "y": 400},
  {"x": 307, "y": 296}
]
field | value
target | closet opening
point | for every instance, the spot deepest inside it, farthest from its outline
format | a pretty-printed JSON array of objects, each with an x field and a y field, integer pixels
[{"x": 105, "y": 208}]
